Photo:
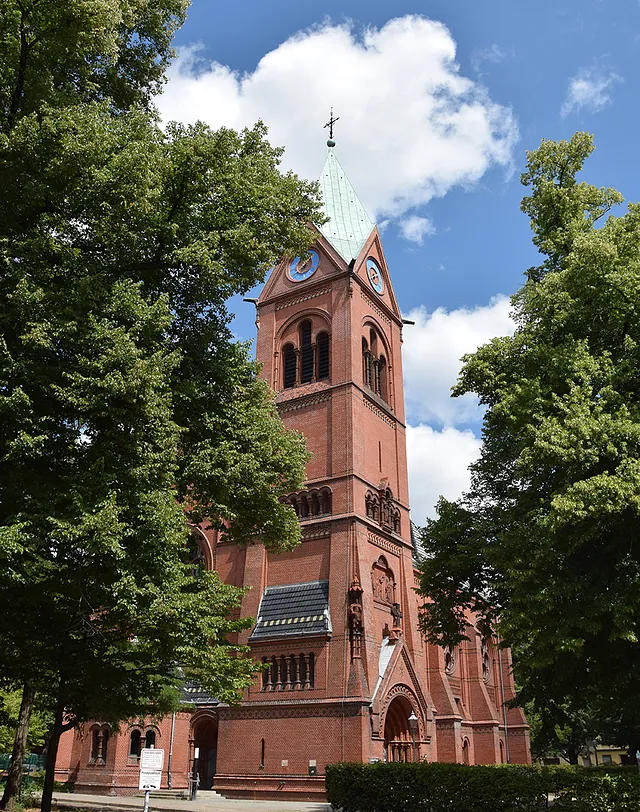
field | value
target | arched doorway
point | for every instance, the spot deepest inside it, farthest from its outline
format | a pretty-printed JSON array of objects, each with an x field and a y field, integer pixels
[
  {"x": 205, "y": 738},
  {"x": 399, "y": 743}
]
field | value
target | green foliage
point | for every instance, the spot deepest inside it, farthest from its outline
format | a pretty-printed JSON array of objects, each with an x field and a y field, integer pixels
[
  {"x": 546, "y": 537},
  {"x": 83, "y": 50},
  {"x": 9, "y": 710},
  {"x": 438, "y": 787},
  {"x": 124, "y": 400}
]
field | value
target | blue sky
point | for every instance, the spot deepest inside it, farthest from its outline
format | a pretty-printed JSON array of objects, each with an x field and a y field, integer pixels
[{"x": 438, "y": 103}]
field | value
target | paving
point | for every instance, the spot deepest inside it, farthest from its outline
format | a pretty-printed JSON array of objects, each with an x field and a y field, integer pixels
[{"x": 206, "y": 802}]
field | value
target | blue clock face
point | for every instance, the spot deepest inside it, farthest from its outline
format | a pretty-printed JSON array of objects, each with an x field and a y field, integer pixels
[
  {"x": 375, "y": 276},
  {"x": 300, "y": 270}
]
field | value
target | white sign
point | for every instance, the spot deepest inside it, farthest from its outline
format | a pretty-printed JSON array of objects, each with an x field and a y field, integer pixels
[
  {"x": 152, "y": 758},
  {"x": 150, "y": 779},
  {"x": 151, "y": 763}
]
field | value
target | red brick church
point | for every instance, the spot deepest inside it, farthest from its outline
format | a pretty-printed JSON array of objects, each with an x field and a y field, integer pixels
[{"x": 349, "y": 676}]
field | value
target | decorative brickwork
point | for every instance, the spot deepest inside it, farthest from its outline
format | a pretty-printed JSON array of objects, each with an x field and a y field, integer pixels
[
  {"x": 378, "y": 412},
  {"x": 385, "y": 544},
  {"x": 300, "y": 711},
  {"x": 303, "y": 402},
  {"x": 316, "y": 531},
  {"x": 377, "y": 310},
  {"x": 299, "y": 299}
]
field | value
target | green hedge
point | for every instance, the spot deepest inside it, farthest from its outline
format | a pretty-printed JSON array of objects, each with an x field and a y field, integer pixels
[{"x": 457, "y": 788}]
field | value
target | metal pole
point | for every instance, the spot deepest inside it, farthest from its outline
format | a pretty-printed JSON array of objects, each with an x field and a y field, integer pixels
[
  {"x": 170, "y": 760},
  {"x": 195, "y": 779},
  {"x": 504, "y": 707},
  {"x": 146, "y": 800}
]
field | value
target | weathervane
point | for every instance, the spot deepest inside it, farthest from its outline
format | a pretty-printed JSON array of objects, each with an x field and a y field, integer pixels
[{"x": 329, "y": 124}]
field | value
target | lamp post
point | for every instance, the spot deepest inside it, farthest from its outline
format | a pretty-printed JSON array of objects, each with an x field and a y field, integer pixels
[{"x": 413, "y": 727}]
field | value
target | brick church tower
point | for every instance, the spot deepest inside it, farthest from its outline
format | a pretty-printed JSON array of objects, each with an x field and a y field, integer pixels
[{"x": 349, "y": 676}]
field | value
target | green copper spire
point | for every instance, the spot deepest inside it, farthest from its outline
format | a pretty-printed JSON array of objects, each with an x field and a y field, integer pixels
[{"x": 349, "y": 225}]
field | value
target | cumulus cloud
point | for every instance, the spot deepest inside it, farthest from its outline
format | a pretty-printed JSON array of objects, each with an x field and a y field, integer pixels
[
  {"x": 415, "y": 229},
  {"x": 431, "y": 358},
  {"x": 438, "y": 466},
  {"x": 590, "y": 90},
  {"x": 411, "y": 126}
]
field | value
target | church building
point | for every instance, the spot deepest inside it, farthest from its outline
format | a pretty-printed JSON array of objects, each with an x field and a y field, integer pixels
[{"x": 349, "y": 677}]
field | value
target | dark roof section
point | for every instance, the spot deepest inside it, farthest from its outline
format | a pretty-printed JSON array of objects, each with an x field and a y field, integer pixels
[
  {"x": 296, "y": 610},
  {"x": 419, "y": 553},
  {"x": 194, "y": 694}
]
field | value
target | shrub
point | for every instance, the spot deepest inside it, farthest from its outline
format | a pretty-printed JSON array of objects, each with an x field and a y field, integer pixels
[{"x": 398, "y": 787}]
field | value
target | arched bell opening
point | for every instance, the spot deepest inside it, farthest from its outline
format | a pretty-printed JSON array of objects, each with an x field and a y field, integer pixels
[{"x": 401, "y": 731}]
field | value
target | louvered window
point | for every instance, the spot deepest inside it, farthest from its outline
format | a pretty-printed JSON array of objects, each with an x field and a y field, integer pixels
[
  {"x": 322, "y": 344},
  {"x": 289, "y": 356},
  {"x": 306, "y": 353}
]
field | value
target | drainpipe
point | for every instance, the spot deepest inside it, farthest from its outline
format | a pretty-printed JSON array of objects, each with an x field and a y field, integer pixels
[
  {"x": 504, "y": 707},
  {"x": 173, "y": 730}
]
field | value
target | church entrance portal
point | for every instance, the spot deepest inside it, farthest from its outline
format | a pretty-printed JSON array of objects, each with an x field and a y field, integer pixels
[
  {"x": 398, "y": 741},
  {"x": 205, "y": 737}
]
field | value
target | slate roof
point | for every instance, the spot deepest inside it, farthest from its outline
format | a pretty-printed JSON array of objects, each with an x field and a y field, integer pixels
[
  {"x": 296, "y": 610},
  {"x": 194, "y": 694},
  {"x": 349, "y": 224},
  {"x": 419, "y": 553}
]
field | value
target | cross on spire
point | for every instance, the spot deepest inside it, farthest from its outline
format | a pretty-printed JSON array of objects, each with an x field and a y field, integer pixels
[{"x": 329, "y": 124}]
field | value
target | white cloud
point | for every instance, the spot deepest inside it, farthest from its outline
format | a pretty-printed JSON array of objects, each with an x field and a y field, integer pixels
[
  {"x": 431, "y": 358},
  {"x": 494, "y": 54},
  {"x": 438, "y": 466},
  {"x": 415, "y": 229},
  {"x": 590, "y": 89},
  {"x": 411, "y": 126}
]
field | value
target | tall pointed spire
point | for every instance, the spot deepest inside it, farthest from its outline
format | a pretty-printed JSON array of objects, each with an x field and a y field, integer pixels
[{"x": 349, "y": 225}]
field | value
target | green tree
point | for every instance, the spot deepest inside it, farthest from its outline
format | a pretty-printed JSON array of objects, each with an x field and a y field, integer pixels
[
  {"x": 126, "y": 406},
  {"x": 546, "y": 541},
  {"x": 9, "y": 712},
  {"x": 561, "y": 730}
]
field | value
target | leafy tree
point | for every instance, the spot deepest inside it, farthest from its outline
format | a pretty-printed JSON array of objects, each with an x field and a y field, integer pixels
[
  {"x": 561, "y": 731},
  {"x": 124, "y": 401},
  {"x": 546, "y": 541},
  {"x": 9, "y": 712}
]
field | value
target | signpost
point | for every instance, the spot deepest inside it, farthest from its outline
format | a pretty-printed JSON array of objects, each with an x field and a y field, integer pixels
[
  {"x": 195, "y": 778},
  {"x": 151, "y": 764}
]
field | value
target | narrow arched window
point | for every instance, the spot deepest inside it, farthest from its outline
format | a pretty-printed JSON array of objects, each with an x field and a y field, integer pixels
[
  {"x": 373, "y": 342},
  {"x": 289, "y": 365},
  {"x": 105, "y": 743},
  {"x": 95, "y": 742},
  {"x": 322, "y": 344},
  {"x": 365, "y": 352},
  {"x": 374, "y": 365},
  {"x": 306, "y": 352},
  {"x": 134, "y": 744},
  {"x": 150, "y": 739},
  {"x": 382, "y": 377}
]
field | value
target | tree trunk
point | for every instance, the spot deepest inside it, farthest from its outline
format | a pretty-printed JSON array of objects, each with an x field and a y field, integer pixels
[
  {"x": 52, "y": 753},
  {"x": 14, "y": 777}
]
